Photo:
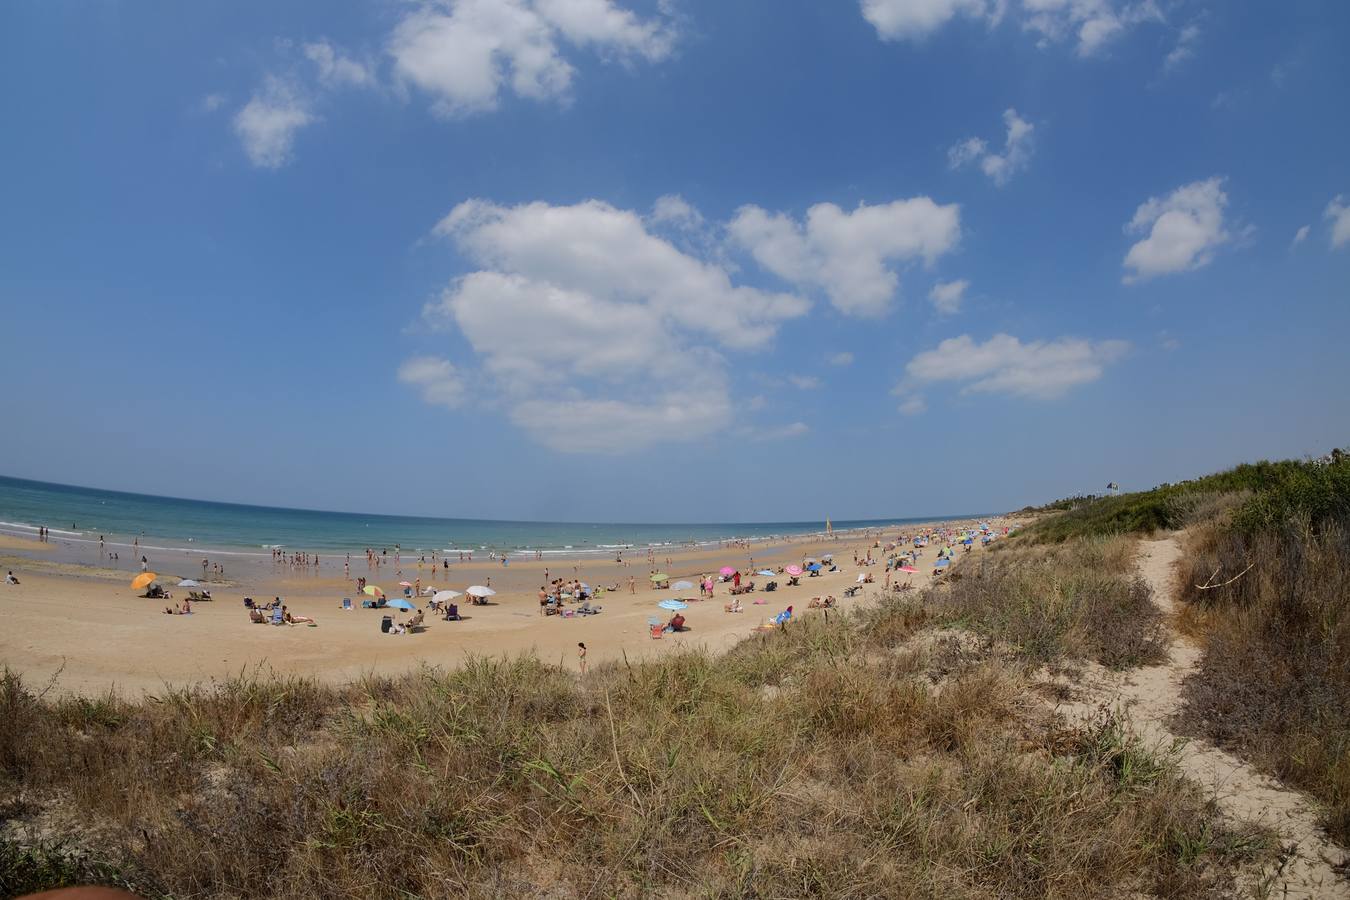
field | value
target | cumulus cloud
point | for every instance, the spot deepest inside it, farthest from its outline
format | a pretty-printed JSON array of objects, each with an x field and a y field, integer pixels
[
  {"x": 1005, "y": 365},
  {"x": 999, "y": 167},
  {"x": 1182, "y": 230},
  {"x": 851, "y": 256},
  {"x": 901, "y": 19},
  {"x": 599, "y": 335},
  {"x": 335, "y": 69},
  {"x": 1338, "y": 214},
  {"x": 675, "y": 211},
  {"x": 438, "y": 380},
  {"x": 913, "y": 405},
  {"x": 1301, "y": 235},
  {"x": 213, "y": 102},
  {"x": 843, "y": 358},
  {"x": 947, "y": 296},
  {"x": 1184, "y": 48},
  {"x": 1092, "y": 24},
  {"x": 466, "y": 53},
  {"x": 268, "y": 123}
]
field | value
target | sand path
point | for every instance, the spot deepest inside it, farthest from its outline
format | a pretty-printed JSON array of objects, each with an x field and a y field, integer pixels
[{"x": 1151, "y": 696}]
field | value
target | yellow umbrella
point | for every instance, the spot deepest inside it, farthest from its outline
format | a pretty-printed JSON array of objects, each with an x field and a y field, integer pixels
[
  {"x": 143, "y": 580},
  {"x": 373, "y": 590}
]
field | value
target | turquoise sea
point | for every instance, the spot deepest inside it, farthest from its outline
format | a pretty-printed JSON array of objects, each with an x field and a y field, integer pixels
[{"x": 80, "y": 514}]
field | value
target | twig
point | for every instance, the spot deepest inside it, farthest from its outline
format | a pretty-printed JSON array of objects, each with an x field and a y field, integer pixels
[
  {"x": 614, "y": 742},
  {"x": 1210, "y": 587}
]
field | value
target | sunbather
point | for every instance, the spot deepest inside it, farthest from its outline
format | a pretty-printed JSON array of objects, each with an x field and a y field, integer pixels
[{"x": 734, "y": 606}]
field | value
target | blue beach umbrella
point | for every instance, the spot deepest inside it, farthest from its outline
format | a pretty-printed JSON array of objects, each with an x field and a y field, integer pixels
[
  {"x": 767, "y": 573},
  {"x": 673, "y": 605},
  {"x": 814, "y": 567},
  {"x": 402, "y": 604}
]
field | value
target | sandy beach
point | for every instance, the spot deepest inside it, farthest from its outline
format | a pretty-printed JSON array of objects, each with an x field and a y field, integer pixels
[{"x": 74, "y": 620}]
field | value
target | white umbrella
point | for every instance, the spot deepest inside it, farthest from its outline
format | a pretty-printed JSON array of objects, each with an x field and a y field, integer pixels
[
  {"x": 478, "y": 590},
  {"x": 188, "y": 582},
  {"x": 446, "y": 596}
]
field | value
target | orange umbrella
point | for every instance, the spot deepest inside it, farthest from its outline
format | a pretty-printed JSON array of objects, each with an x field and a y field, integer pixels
[{"x": 143, "y": 580}]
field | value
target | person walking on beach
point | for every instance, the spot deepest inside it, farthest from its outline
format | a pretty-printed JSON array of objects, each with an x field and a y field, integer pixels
[
  {"x": 632, "y": 585},
  {"x": 581, "y": 656},
  {"x": 145, "y": 564}
]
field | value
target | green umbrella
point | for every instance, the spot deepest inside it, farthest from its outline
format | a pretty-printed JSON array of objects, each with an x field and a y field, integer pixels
[{"x": 660, "y": 576}]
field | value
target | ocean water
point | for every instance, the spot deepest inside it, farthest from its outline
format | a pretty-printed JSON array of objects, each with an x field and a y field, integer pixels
[{"x": 78, "y": 514}]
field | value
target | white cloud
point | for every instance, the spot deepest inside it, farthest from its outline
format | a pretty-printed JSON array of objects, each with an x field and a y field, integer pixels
[
  {"x": 1003, "y": 364},
  {"x": 1016, "y": 153},
  {"x": 804, "y": 382},
  {"x": 1301, "y": 235},
  {"x": 674, "y": 210},
  {"x": 1338, "y": 214},
  {"x": 466, "y": 53},
  {"x": 1183, "y": 230},
  {"x": 947, "y": 296},
  {"x": 912, "y": 406},
  {"x": 1092, "y": 23},
  {"x": 599, "y": 335},
  {"x": 843, "y": 358},
  {"x": 336, "y": 69},
  {"x": 849, "y": 255},
  {"x": 213, "y": 102},
  {"x": 269, "y": 121},
  {"x": 1184, "y": 48},
  {"x": 438, "y": 379},
  {"x": 899, "y": 19}
]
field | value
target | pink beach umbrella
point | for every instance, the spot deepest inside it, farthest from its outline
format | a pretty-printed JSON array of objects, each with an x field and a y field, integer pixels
[
  {"x": 794, "y": 569},
  {"x": 727, "y": 570},
  {"x": 908, "y": 570}
]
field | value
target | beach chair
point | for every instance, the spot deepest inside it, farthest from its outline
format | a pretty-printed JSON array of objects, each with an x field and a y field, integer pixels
[
  {"x": 347, "y": 604},
  {"x": 656, "y": 627}
]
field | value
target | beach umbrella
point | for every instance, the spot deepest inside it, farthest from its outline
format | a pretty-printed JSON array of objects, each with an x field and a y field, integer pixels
[
  {"x": 794, "y": 570},
  {"x": 478, "y": 590},
  {"x": 727, "y": 570},
  {"x": 828, "y": 556},
  {"x": 145, "y": 579},
  {"x": 908, "y": 570},
  {"x": 188, "y": 582},
  {"x": 814, "y": 567},
  {"x": 446, "y": 596},
  {"x": 767, "y": 573},
  {"x": 373, "y": 590},
  {"x": 673, "y": 605},
  {"x": 659, "y": 577},
  {"x": 683, "y": 585},
  {"x": 402, "y": 604},
  {"x": 405, "y": 584}
]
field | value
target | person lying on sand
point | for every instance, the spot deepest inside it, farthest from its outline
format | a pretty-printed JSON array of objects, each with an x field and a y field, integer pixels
[
  {"x": 734, "y": 606},
  {"x": 297, "y": 620}
]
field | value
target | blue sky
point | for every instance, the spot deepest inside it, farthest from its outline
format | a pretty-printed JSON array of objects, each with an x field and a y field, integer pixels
[{"x": 623, "y": 260}]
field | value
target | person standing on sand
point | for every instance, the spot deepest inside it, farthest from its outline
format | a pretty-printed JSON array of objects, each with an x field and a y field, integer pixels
[
  {"x": 632, "y": 585},
  {"x": 581, "y": 656}
]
